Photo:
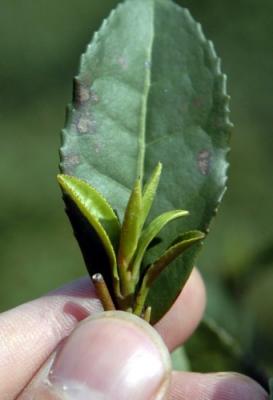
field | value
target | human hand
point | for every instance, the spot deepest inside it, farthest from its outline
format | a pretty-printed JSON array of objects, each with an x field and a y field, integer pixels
[{"x": 105, "y": 357}]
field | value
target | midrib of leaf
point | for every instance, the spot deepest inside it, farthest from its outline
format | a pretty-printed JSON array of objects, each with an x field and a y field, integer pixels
[{"x": 144, "y": 108}]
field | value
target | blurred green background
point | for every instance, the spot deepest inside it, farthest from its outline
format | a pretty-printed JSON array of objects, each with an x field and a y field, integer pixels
[{"x": 40, "y": 44}]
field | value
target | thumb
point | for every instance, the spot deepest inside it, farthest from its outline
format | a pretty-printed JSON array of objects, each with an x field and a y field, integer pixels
[{"x": 113, "y": 355}]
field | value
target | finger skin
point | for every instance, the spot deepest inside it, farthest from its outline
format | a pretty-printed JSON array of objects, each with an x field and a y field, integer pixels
[
  {"x": 112, "y": 355},
  {"x": 220, "y": 386},
  {"x": 184, "y": 316},
  {"x": 31, "y": 332}
]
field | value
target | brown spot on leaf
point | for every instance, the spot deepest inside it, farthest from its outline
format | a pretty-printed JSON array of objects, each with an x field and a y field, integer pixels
[
  {"x": 204, "y": 161},
  {"x": 84, "y": 122},
  {"x": 70, "y": 161},
  {"x": 83, "y": 125},
  {"x": 94, "y": 97},
  {"x": 81, "y": 93}
]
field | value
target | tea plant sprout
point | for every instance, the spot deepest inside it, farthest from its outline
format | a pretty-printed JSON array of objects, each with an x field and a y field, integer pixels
[{"x": 125, "y": 244}]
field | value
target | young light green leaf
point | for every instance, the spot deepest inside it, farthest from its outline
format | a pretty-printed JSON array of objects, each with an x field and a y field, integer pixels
[
  {"x": 149, "y": 192},
  {"x": 143, "y": 97},
  {"x": 150, "y": 233},
  {"x": 182, "y": 243},
  {"x": 97, "y": 212},
  {"x": 154, "y": 270},
  {"x": 92, "y": 204},
  {"x": 130, "y": 230},
  {"x": 188, "y": 238}
]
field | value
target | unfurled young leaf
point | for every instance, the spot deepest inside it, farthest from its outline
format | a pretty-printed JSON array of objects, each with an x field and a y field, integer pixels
[
  {"x": 150, "y": 89},
  {"x": 130, "y": 230},
  {"x": 154, "y": 270},
  {"x": 149, "y": 192},
  {"x": 97, "y": 212},
  {"x": 150, "y": 233},
  {"x": 182, "y": 243},
  {"x": 92, "y": 205}
]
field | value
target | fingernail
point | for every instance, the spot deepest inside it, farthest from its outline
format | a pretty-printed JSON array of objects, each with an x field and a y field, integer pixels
[{"x": 114, "y": 355}]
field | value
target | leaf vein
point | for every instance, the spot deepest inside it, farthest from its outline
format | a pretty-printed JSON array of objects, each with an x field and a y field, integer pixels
[{"x": 147, "y": 85}]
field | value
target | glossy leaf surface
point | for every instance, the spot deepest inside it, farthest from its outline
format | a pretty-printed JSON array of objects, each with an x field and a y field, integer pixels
[
  {"x": 155, "y": 269},
  {"x": 151, "y": 232},
  {"x": 150, "y": 191},
  {"x": 150, "y": 89},
  {"x": 180, "y": 245},
  {"x": 92, "y": 205},
  {"x": 97, "y": 212},
  {"x": 131, "y": 227}
]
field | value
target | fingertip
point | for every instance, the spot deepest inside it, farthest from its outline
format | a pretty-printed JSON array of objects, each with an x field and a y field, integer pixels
[
  {"x": 220, "y": 386},
  {"x": 113, "y": 355}
]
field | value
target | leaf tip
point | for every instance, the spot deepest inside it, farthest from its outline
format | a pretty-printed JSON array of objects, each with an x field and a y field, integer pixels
[
  {"x": 61, "y": 179},
  {"x": 199, "y": 235},
  {"x": 183, "y": 213},
  {"x": 159, "y": 166}
]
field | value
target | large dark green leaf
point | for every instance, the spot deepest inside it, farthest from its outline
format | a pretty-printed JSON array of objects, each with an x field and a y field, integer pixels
[{"x": 150, "y": 89}]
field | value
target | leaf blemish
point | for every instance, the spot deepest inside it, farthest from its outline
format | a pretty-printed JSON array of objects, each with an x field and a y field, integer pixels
[
  {"x": 94, "y": 97},
  {"x": 71, "y": 160},
  {"x": 204, "y": 161},
  {"x": 83, "y": 121},
  {"x": 81, "y": 93},
  {"x": 135, "y": 78},
  {"x": 85, "y": 124}
]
